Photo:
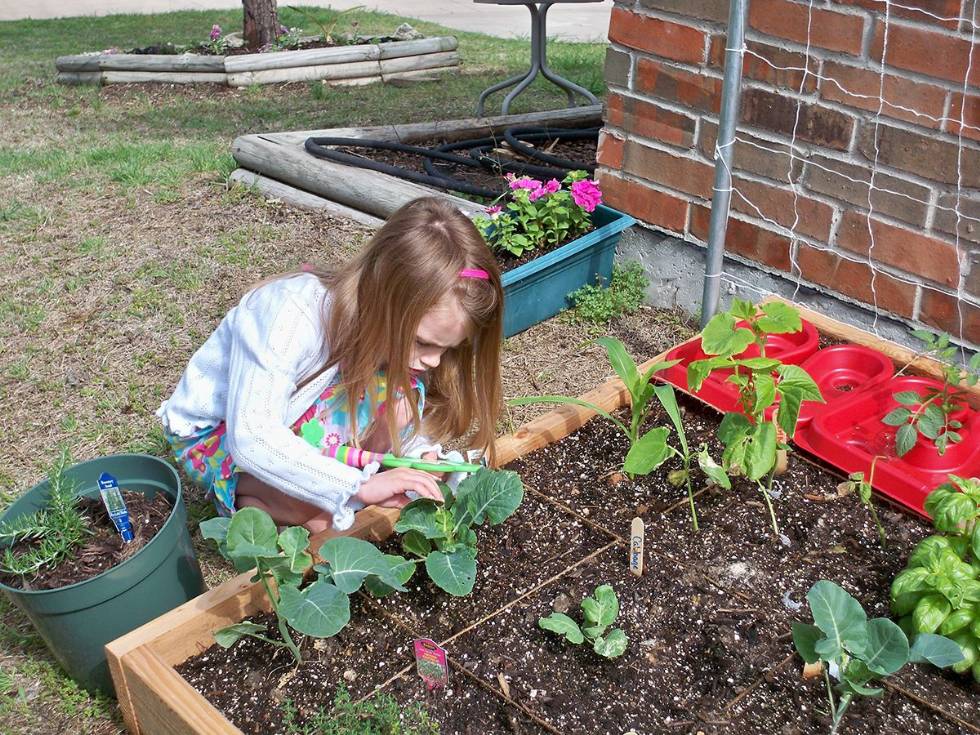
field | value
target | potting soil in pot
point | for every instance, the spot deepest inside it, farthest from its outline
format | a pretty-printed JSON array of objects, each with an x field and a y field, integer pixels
[{"x": 104, "y": 548}]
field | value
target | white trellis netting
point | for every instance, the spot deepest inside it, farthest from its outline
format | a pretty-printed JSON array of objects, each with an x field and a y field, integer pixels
[{"x": 798, "y": 150}]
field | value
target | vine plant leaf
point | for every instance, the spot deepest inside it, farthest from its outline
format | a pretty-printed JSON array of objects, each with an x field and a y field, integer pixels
[
  {"x": 720, "y": 337},
  {"x": 613, "y": 645},
  {"x": 563, "y": 625},
  {"x": 321, "y": 610},
  {"x": 760, "y": 452},
  {"x": 216, "y": 529},
  {"x": 488, "y": 496},
  {"x": 453, "y": 572},
  {"x": 936, "y": 650},
  {"x": 227, "y": 637},
  {"x": 841, "y": 619},
  {"x": 649, "y": 452},
  {"x": 779, "y": 318},
  {"x": 351, "y": 560}
]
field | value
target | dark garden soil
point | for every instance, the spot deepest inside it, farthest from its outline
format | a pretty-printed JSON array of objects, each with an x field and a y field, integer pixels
[
  {"x": 169, "y": 48},
  {"x": 105, "y": 548},
  {"x": 538, "y": 542},
  {"x": 708, "y": 622},
  {"x": 582, "y": 151}
]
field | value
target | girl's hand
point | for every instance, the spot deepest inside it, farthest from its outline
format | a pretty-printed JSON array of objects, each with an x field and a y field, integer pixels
[{"x": 388, "y": 488}]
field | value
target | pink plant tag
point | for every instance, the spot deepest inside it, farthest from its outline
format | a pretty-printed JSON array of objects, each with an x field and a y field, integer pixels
[{"x": 430, "y": 660}]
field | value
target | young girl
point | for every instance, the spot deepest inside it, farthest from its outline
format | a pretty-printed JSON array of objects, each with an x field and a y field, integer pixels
[{"x": 404, "y": 338}]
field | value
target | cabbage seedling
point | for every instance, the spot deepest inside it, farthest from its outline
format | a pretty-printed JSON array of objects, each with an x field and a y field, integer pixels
[
  {"x": 854, "y": 650},
  {"x": 249, "y": 540},
  {"x": 599, "y": 612},
  {"x": 442, "y": 534}
]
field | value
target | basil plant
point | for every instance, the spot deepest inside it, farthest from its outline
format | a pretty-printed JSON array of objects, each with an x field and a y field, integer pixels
[
  {"x": 751, "y": 441},
  {"x": 854, "y": 650},
  {"x": 249, "y": 540},
  {"x": 939, "y": 590},
  {"x": 442, "y": 534}
]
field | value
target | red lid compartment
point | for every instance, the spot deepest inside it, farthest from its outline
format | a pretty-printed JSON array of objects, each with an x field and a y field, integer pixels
[
  {"x": 839, "y": 372},
  {"x": 849, "y": 433}
]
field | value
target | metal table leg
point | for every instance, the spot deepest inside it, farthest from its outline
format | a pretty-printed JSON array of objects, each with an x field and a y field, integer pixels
[
  {"x": 539, "y": 65},
  {"x": 570, "y": 87}
]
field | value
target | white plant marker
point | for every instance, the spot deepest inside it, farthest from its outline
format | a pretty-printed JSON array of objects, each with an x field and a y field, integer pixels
[{"x": 636, "y": 546}]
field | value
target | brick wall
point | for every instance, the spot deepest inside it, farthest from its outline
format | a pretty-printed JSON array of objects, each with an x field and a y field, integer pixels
[{"x": 664, "y": 70}]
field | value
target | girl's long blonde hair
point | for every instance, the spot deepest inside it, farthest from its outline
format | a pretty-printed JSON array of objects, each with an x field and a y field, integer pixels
[{"x": 378, "y": 299}]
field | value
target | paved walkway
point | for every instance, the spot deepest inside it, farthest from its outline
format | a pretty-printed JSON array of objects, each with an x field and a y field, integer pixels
[{"x": 572, "y": 22}]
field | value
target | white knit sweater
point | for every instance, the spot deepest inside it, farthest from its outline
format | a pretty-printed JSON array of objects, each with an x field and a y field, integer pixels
[{"x": 247, "y": 373}]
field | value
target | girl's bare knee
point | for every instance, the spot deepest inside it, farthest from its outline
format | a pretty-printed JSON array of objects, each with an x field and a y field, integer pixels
[{"x": 319, "y": 523}]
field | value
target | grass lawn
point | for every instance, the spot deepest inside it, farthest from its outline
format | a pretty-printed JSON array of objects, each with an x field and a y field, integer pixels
[{"x": 122, "y": 247}]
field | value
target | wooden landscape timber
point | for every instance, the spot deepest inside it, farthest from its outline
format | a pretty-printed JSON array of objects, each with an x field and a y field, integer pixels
[
  {"x": 273, "y": 189},
  {"x": 282, "y": 157},
  {"x": 360, "y": 64},
  {"x": 153, "y": 697}
]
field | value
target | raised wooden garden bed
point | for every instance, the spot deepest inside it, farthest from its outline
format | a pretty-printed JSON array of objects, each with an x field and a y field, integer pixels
[
  {"x": 708, "y": 621},
  {"x": 341, "y": 65}
]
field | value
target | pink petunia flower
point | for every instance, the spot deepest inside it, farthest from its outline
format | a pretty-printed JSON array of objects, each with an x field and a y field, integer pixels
[
  {"x": 524, "y": 182},
  {"x": 586, "y": 194},
  {"x": 215, "y": 32},
  {"x": 552, "y": 186},
  {"x": 493, "y": 209}
]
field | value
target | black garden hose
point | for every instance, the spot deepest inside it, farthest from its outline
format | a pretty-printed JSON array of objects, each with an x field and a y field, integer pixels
[{"x": 478, "y": 157}]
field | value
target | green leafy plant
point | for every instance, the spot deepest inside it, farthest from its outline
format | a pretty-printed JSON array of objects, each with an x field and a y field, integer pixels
[
  {"x": 599, "y": 612},
  {"x": 539, "y": 213},
  {"x": 939, "y": 590},
  {"x": 379, "y": 715},
  {"x": 598, "y": 305},
  {"x": 47, "y": 536},
  {"x": 289, "y": 38},
  {"x": 929, "y": 413},
  {"x": 649, "y": 451},
  {"x": 321, "y": 609},
  {"x": 327, "y": 30},
  {"x": 752, "y": 441},
  {"x": 442, "y": 534},
  {"x": 856, "y": 483},
  {"x": 855, "y": 650}
]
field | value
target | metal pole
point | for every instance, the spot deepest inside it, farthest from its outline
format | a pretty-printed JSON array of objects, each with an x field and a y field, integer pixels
[{"x": 721, "y": 197}]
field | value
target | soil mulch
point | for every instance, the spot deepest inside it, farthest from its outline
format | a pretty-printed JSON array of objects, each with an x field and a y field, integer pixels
[
  {"x": 105, "y": 548},
  {"x": 708, "y": 622}
]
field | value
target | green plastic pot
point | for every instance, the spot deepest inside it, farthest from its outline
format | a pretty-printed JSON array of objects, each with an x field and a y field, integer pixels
[
  {"x": 539, "y": 289},
  {"x": 77, "y": 621}
]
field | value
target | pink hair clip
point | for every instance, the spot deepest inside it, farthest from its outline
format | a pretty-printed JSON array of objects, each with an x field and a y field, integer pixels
[{"x": 474, "y": 273}]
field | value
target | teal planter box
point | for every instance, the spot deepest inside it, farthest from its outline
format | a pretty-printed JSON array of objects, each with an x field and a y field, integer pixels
[{"x": 538, "y": 290}]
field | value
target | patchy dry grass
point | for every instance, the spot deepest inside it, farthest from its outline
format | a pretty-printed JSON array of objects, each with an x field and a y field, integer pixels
[{"x": 121, "y": 248}]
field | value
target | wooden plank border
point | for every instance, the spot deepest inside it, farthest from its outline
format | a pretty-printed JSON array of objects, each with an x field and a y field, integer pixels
[
  {"x": 155, "y": 700},
  {"x": 359, "y": 64}
]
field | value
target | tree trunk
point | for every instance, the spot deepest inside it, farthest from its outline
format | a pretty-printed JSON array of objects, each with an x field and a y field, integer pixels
[{"x": 261, "y": 23}]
